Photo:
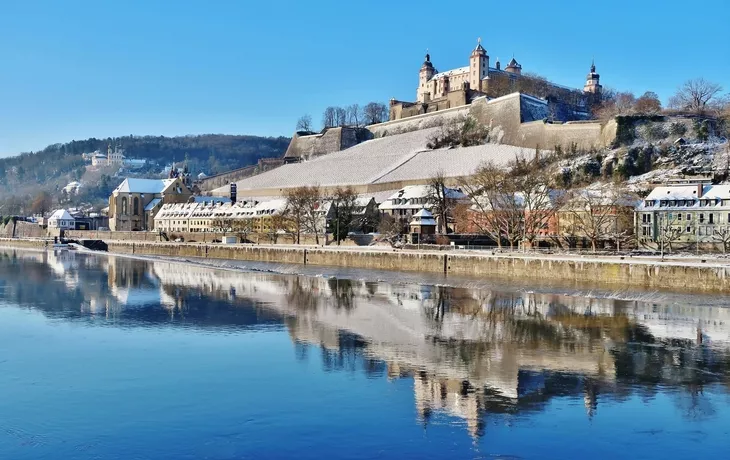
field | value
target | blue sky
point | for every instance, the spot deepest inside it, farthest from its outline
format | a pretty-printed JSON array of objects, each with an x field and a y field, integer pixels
[{"x": 77, "y": 69}]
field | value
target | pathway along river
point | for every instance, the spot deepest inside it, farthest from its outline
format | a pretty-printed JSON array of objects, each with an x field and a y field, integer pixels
[{"x": 116, "y": 358}]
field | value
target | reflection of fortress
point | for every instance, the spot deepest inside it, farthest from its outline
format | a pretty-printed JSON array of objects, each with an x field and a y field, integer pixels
[{"x": 470, "y": 352}]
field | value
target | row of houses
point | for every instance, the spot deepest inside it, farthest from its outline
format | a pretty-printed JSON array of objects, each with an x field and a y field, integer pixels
[{"x": 675, "y": 213}]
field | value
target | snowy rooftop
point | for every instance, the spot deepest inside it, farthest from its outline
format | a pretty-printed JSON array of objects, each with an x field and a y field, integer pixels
[
  {"x": 451, "y": 73},
  {"x": 381, "y": 161},
  {"x": 60, "y": 214},
  {"x": 143, "y": 185},
  {"x": 686, "y": 196}
]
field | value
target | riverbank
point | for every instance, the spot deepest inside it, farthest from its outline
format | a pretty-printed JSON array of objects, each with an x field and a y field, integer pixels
[{"x": 693, "y": 275}]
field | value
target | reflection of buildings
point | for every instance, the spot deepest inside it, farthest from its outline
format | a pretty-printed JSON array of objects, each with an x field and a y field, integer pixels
[{"x": 471, "y": 353}]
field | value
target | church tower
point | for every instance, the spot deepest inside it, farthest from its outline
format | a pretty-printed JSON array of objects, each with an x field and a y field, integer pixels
[
  {"x": 478, "y": 67},
  {"x": 424, "y": 75},
  {"x": 593, "y": 86}
]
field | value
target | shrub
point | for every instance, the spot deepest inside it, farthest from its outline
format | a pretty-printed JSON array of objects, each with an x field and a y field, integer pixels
[{"x": 677, "y": 129}]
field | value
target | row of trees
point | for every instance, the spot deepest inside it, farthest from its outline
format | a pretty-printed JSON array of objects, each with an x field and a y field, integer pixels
[
  {"x": 352, "y": 115},
  {"x": 697, "y": 96},
  {"x": 308, "y": 211}
]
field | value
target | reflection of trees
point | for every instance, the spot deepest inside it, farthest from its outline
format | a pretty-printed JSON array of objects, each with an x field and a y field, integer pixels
[{"x": 342, "y": 293}]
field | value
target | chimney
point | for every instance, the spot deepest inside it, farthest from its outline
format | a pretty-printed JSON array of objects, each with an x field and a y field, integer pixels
[{"x": 699, "y": 190}]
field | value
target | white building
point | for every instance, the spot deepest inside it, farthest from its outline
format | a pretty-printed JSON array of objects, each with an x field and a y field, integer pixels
[
  {"x": 62, "y": 220},
  {"x": 408, "y": 201},
  {"x": 694, "y": 213}
]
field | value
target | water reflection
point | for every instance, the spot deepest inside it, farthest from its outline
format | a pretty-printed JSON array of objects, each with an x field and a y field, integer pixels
[{"x": 470, "y": 353}]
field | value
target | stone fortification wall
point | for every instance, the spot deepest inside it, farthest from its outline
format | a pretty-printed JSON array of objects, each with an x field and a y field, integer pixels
[
  {"x": 220, "y": 180},
  {"x": 329, "y": 141},
  {"x": 516, "y": 119},
  {"x": 22, "y": 230}
]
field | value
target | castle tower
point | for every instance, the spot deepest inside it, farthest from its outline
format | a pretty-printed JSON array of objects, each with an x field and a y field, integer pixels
[
  {"x": 427, "y": 71},
  {"x": 513, "y": 67},
  {"x": 478, "y": 67},
  {"x": 593, "y": 86}
]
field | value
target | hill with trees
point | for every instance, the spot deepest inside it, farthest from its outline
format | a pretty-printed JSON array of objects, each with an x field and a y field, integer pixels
[{"x": 24, "y": 177}]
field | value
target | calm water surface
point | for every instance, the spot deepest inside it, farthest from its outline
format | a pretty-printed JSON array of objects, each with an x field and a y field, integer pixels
[{"x": 103, "y": 357}]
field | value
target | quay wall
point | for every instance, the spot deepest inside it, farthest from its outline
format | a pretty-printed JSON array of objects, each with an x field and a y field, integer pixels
[
  {"x": 619, "y": 273},
  {"x": 671, "y": 275}
]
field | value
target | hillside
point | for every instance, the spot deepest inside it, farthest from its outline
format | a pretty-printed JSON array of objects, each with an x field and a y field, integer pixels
[{"x": 22, "y": 177}]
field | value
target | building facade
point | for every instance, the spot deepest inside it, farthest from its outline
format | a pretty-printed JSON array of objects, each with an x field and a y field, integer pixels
[
  {"x": 134, "y": 204},
  {"x": 684, "y": 215},
  {"x": 408, "y": 201},
  {"x": 457, "y": 87}
]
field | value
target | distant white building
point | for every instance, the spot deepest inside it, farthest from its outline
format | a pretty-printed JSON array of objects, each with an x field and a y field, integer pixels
[
  {"x": 408, "y": 201},
  {"x": 72, "y": 188},
  {"x": 62, "y": 220}
]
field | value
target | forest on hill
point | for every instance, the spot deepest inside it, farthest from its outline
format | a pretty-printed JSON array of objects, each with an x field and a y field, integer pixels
[{"x": 50, "y": 169}]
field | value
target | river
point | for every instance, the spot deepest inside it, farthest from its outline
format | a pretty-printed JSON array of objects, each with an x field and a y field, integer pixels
[{"x": 110, "y": 357}]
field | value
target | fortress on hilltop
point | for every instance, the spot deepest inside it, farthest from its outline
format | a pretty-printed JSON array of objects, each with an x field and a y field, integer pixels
[{"x": 457, "y": 87}]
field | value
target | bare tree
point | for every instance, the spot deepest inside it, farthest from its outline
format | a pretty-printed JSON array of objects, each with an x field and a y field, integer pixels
[
  {"x": 278, "y": 224},
  {"x": 669, "y": 231},
  {"x": 340, "y": 116},
  {"x": 442, "y": 200},
  {"x": 648, "y": 104},
  {"x": 304, "y": 123},
  {"x": 375, "y": 112},
  {"x": 722, "y": 235},
  {"x": 460, "y": 132},
  {"x": 329, "y": 118},
  {"x": 595, "y": 213},
  {"x": 695, "y": 95},
  {"x": 539, "y": 200},
  {"x": 496, "y": 210},
  {"x": 303, "y": 206},
  {"x": 390, "y": 230},
  {"x": 354, "y": 115},
  {"x": 296, "y": 203},
  {"x": 243, "y": 228}
]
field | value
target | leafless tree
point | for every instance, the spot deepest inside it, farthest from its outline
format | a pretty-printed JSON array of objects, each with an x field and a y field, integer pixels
[
  {"x": 389, "y": 230},
  {"x": 496, "y": 210},
  {"x": 648, "y": 104},
  {"x": 354, "y": 115},
  {"x": 304, "y": 209},
  {"x": 462, "y": 131},
  {"x": 329, "y": 118},
  {"x": 539, "y": 200},
  {"x": 278, "y": 224},
  {"x": 695, "y": 95},
  {"x": 442, "y": 201},
  {"x": 596, "y": 213},
  {"x": 243, "y": 228},
  {"x": 722, "y": 235},
  {"x": 669, "y": 231},
  {"x": 304, "y": 123},
  {"x": 340, "y": 116},
  {"x": 375, "y": 112}
]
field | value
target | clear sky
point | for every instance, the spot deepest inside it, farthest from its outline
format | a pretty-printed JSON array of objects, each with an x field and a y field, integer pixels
[{"x": 75, "y": 69}]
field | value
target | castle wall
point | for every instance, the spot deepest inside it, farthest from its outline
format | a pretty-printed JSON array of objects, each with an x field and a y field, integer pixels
[{"x": 331, "y": 140}]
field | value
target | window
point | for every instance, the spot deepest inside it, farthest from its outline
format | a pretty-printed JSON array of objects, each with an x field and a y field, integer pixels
[
  {"x": 689, "y": 229},
  {"x": 679, "y": 216},
  {"x": 689, "y": 217},
  {"x": 124, "y": 206},
  {"x": 702, "y": 217},
  {"x": 710, "y": 220},
  {"x": 135, "y": 207}
]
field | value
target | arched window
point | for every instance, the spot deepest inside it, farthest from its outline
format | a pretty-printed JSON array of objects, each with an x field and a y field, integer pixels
[
  {"x": 124, "y": 206},
  {"x": 136, "y": 206}
]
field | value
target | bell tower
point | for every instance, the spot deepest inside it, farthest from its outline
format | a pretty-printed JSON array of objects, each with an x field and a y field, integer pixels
[
  {"x": 593, "y": 86},
  {"x": 424, "y": 75},
  {"x": 478, "y": 67}
]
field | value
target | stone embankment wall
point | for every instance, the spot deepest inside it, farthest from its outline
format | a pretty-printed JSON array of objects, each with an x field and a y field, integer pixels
[
  {"x": 613, "y": 273},
  {"x": 618, "y": 273},
  {"x": 22, "y": 230}
]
